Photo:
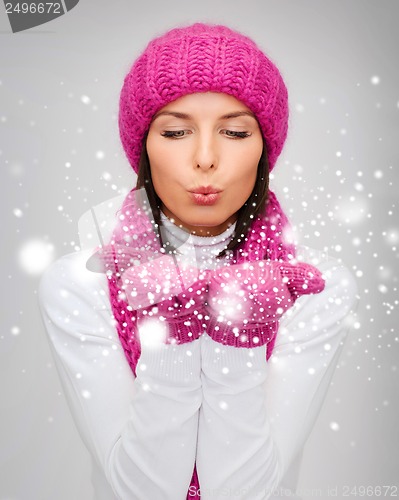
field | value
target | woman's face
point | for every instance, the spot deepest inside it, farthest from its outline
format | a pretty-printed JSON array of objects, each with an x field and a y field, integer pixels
[{"x": 204, "y": 151}]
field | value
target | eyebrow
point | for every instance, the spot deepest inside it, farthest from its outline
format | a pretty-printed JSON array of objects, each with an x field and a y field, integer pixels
[{"x": 185, "y": 116}]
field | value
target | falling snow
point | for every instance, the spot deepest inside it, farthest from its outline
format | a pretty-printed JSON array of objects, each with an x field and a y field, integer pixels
[
  {"x": 223, "y": 405},
  {"x": 375, "y": 80},
  {"x": 85, "y": 99},
  {"x": 35, "y": 255},
  {"x": 15, "y": 330}
]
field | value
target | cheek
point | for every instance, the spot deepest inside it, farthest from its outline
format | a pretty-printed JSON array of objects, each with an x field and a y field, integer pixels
[
  {"x": 163, "y": 170},
  {"x": 160, "y": 168},
  {"x": 164, "y": 161},
  {"x": 246, "y": 164}
]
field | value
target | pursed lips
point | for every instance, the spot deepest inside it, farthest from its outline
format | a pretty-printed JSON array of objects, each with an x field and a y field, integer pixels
[
  {"x": 205, "y": 195},
  {"x": 205, "y": 190}
]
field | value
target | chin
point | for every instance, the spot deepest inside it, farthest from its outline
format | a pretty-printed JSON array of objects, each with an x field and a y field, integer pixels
[
  {"x": 207, "y": 222},
  {"x": 202, "y": 221}
]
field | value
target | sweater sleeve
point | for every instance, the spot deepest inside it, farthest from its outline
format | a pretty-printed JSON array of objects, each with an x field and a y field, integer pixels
[
  {"x": 257, "y": 415},
  {"x": 142, "y": 432},
  {"x": 305, "y": 355}
]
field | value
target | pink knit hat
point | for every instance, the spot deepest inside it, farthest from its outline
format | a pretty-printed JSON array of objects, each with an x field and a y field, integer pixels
[{"x": 202, "y": 58}]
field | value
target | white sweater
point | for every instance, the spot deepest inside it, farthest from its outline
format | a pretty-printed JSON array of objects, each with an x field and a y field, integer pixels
[{"x": 242, "y": 419}]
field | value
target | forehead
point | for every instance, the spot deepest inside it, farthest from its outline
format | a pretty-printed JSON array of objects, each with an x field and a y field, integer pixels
[{"x": 214, "y": 102}]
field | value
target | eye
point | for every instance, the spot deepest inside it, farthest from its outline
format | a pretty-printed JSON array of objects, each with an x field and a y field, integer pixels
[
  {"x": 174, "y": 134},
  {"x": 234, "y": 134}
]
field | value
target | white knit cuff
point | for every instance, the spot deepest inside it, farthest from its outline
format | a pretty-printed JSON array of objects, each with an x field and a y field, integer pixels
[
  {"x": 167, "y": 364},
  {"x": 233, "y": 366}
]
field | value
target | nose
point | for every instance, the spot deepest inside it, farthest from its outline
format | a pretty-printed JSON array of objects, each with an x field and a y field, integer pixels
[{"x": 205, "y": 155}]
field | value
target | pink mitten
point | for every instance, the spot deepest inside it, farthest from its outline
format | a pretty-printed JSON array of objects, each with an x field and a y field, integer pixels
[
  {"x": 169, "y": 296},
  {"x": 246, "y": 301},
  {"x": 302, "y": 278},
  {"x": 168, "y": 290}
]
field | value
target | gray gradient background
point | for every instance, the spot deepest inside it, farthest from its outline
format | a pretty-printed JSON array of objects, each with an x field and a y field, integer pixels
[{"x": 337, "y": 178}]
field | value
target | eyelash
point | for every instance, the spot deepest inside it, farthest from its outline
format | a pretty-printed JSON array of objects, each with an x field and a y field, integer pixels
[{"x": 173, "y": 134}]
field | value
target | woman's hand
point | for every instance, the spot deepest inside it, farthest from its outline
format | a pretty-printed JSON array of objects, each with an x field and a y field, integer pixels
[
  {"x": 246, "y": 301},
  {"x": 249, "y": 293},
  {"x": 168, "y": 293}
]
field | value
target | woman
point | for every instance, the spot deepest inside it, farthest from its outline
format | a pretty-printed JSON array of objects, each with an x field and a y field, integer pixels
[{"x": 195, "y": 349}]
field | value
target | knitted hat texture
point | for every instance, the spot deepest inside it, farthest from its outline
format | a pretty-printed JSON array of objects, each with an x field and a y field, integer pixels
[{"x": 202, "y": 58}]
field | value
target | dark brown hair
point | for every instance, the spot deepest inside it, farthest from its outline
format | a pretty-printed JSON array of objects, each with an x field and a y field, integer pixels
[{"x": 254, "y": 205}]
